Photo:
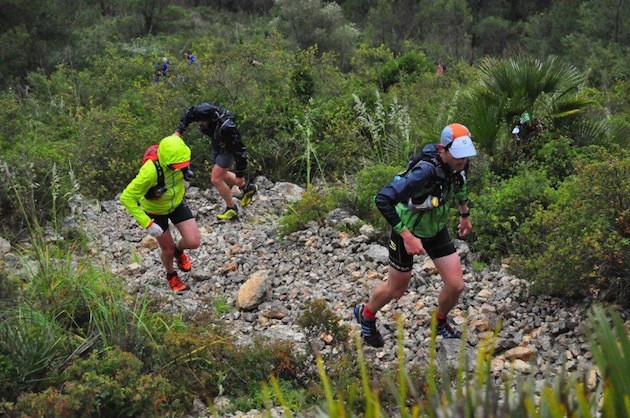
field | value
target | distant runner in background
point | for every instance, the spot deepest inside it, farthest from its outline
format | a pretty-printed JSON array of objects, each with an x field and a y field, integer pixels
[
  {"x": 162, "y": 69},
  {"x": 190, "y": 57},
  {"x": 526, "y": 127}
]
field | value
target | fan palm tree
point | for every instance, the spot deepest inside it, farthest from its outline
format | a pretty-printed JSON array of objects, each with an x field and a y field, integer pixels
[{"x": 550, "y": 90}]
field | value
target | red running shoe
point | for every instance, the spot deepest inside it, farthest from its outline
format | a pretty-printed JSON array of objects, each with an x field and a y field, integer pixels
[
  {"x": 183, "y": 262},
  {"x": 176, "y": 284}
]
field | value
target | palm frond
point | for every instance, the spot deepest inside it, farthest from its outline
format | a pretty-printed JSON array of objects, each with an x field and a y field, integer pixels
[{"x": 507, "y": 88}]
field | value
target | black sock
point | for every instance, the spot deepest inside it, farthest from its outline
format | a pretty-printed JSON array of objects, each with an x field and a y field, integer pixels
[
  {"x": 170, "y": 275},
  {"x": 178, "y": 251}
]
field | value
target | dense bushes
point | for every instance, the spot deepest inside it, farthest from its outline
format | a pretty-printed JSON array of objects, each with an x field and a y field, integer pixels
[
  {"x": 580, "y": 242},
  {"x": 563, "y": 217},
  {"x": 313, "y": 206},
  {"x": 501, "y": 208},
  {"x": 369, "y": 182},
  {"x": 110, "y": 383}
]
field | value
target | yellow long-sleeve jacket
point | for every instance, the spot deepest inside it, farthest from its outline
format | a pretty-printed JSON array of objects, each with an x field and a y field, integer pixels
[{"x": 172, "y": 150}]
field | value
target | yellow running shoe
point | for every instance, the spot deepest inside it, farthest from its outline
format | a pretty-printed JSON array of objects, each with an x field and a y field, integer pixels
[
  {"x": 228, "y": 213},
  {"x": 248, "y": 194}
]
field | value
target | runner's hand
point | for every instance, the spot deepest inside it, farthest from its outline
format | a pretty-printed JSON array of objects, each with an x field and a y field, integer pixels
[
  {"x": 413, "y": 245},
  {"x": 464, "y": 227},
  {"x": 155, "y": 229}
]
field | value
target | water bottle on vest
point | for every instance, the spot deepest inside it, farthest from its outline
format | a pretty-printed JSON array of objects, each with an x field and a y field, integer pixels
[{"x": 431, "y": 202}]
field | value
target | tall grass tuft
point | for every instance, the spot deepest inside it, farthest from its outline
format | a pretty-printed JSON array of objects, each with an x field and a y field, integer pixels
[
  {"x": 387, "y": 130},
  {"x": 610, "y": 345},
  {"x": 478, "y": 394},
  {"x": 34, "y": 344},
  {"x": 309, "y": 157}
]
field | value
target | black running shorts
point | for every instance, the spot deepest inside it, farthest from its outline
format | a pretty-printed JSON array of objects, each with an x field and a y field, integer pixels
[
  {"x": 180, "y": 214},
  {"x": 437, "y": 246}
]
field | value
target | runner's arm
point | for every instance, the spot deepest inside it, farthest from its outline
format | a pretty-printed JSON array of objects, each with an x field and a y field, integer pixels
[{"x": 400, "y": 191}]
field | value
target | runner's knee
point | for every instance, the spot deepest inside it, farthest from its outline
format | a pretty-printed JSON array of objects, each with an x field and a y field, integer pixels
[
  {"x": 396, "y": 292},
  {"x": 457, "y": 287},
  {"x": 193, "y": 242},
  {"x": 217, "y": 180}
]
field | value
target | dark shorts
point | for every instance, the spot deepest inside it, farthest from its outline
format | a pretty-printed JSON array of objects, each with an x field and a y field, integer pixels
[
  {"x": 437, "y": 246},
  {"x": 180, "y": 214},
  {"x": 223, "y": 159}
]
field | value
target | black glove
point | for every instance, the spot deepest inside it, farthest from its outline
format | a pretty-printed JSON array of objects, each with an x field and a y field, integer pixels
[{"x": 188, "y": 174}]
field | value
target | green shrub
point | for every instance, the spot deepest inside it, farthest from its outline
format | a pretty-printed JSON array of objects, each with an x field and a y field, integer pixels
[
  {"x": 549, "y": 151},
  {"x": 580, "y": 243},
  {"x": 288, "y": 394},
  {"x": 317, "y": 318},
  {"x": 313, "y": 206},
  {"x": 501, "y": 208},
  {"x": 65, "y": 307},
  {"x": 106, "y": 384},
  {"x": 408, "y": 64},
  {"x": 207, "y": 364},
  {"x": 555, "y": 155}
]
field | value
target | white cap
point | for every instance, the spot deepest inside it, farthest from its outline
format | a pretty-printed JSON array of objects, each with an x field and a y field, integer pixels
[{"x": 457, "y": 139}]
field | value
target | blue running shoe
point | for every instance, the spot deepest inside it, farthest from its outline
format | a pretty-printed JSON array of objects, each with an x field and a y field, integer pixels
[
  {"x": 446, "y": 331},
  {"x": 370, "y": 334}
]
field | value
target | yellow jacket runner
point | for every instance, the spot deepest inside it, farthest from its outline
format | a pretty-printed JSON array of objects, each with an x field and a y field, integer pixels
[{"x": 172, "y": 150}]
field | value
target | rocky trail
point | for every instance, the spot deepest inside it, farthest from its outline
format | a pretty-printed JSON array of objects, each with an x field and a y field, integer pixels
[{"x": 266, "y": 280}]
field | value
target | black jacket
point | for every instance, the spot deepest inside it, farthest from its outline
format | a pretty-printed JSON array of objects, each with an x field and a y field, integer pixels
[{"x": 222, "y": 131}]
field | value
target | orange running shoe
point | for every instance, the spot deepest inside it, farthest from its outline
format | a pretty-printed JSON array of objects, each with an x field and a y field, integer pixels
[
  {"x": 176, "y": 284},
  {"x": 183, "y": 262}
]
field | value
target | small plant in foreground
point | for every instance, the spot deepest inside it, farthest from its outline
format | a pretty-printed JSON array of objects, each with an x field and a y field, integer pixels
[{"x": 478, "y": 394}]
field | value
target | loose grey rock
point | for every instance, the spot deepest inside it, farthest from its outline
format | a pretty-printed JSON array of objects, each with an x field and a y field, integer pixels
[{"x": 5, "y": 246}]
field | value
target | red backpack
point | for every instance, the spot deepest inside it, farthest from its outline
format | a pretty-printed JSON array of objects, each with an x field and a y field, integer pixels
[
  {"x": 158, "y": 190},
  {"x": 151, "y": 154}
]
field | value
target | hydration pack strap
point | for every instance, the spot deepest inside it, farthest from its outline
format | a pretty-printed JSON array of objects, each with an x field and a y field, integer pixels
[{"x": 160, "y": 173}]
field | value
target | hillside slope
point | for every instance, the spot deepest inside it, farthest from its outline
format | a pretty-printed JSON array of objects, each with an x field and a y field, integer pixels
[{"x": 322, "y": 262}]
